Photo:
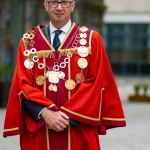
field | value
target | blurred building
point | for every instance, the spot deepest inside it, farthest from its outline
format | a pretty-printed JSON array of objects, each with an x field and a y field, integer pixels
[{"x": 126, "y": 34}]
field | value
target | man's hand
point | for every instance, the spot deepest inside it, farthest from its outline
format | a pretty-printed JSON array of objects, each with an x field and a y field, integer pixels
[{"x": 55, "y": 120}]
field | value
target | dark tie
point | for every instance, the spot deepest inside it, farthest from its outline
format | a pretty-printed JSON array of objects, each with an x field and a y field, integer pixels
[{"x": 56, "y": 41}]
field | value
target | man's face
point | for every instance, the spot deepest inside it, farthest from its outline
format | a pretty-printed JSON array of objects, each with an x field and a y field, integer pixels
[{"x": 59, "y": 10}]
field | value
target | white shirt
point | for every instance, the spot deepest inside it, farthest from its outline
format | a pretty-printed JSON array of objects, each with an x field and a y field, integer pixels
[{"x": 65, "y": 29}]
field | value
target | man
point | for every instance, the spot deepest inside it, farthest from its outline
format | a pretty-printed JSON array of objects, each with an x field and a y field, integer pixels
[{"x": 62, "y": 95}]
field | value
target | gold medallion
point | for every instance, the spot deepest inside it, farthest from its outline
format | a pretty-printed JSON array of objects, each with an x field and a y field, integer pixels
[
  {"x": 28, "y": 64},
  {"x": 79, "y": 77},
  {"x": 61, "y": 75},
  {"x": 48, "y": 73},
  {"x": 53, "y": 77},
  {"x": 70, "y": 84},
  {"x": 82, "y": 63},
  {"x": 50, "y": 87},
  {"x": 26, "y": 36},
  {"x": 83, "y": 41},
  {"x": 83, "y": 29},
  {"x": 83, "y": 51},
  {"x": 83, "y": 35},
  {"x": 31, "y": 36},
  {"x": 55, "y": 88},
  {"x": 26, "y": 53},
  {"x": 40, "y": 80}
]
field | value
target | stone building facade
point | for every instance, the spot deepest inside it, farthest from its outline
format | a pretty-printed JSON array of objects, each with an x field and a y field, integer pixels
[{"x": 126, "y": 33}]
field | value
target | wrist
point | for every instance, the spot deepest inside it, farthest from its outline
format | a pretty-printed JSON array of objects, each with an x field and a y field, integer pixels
[{"x": 44, "y": 112}]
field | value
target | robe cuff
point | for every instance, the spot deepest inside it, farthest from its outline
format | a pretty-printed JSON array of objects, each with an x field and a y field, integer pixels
[
  {"x": 102, "y": 130},
  {"x": 54, "y": 107}
]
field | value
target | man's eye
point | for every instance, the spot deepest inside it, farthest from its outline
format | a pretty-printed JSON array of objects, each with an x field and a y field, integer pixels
[
  {"x": 54, "y": 2},
  {"x": 64, "y": 1}
]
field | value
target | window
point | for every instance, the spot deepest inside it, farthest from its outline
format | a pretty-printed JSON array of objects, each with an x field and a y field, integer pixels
[{"x": 128, "y": 48}]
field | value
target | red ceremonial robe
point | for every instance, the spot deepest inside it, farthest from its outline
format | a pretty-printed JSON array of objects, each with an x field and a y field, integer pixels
[{"x": 94, "y": 102}]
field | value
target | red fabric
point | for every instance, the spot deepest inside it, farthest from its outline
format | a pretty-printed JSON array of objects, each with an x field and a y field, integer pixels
[
  {"x": 22, "y": 85},
  {"x": 95, "y": 103},
  {"x": 84, "y": 137}
]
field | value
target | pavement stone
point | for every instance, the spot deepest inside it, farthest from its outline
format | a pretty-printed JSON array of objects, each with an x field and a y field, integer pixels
[{"x": 135, "y": 136}]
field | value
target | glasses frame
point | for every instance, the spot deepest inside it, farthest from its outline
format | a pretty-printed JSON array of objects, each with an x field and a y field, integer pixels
[{"x": 48, "y": 1}]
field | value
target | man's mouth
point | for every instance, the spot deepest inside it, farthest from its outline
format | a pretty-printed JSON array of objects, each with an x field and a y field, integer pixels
[{"x": 59, "y": 14}]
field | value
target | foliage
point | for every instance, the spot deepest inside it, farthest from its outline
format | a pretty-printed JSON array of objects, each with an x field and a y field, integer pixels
[
  {"x": 137, "y": 88},
  {"x": 5, "y": 72},
  {"x": 143, "y": 87}
]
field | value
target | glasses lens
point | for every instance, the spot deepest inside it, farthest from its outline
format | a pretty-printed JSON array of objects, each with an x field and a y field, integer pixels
[
  {"x": 63, "y": 3},
  {"x": 52, "y": 3}
]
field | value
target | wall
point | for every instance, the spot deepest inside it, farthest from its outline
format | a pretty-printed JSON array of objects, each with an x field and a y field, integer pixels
[{"x": 127, "y": 6}]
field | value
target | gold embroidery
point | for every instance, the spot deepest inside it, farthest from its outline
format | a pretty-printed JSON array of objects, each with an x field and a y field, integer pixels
[
  {"x": 66, "y": 37},
  {"x": 80, "y": 115},
  {"x": 12, "y": 129},
  {"x": 52, "y": 105},
  {"x": 22, "y": 92},
  {"x": 44, "y": 61},
  {"x": 28, "y": 38},
  {"x": 90, "y": 43},
  {"x": 64, "y": 52},
  {"x": 69, "y": 77},
  {"x": 114, "y": 119},
  {"x": 101, "y": 102},
  {"x": 69, "y": 138},
  {"x": 45, "y": 39},
  {"x": 47, "y": 138},
  {"x": 83, "y": 116},
  {"x": 44, "y": 53}
]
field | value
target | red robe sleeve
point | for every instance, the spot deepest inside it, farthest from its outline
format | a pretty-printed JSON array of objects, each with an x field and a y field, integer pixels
[
  {"x": 97, "y": 102},
  {"x": 22, "y": 86}
]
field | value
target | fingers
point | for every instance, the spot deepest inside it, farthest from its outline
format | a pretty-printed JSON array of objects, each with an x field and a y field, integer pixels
[
  {"x": 64, "y": 115},
  {"x": 59, "y": 127},
  {"x": 56, "y": 120},
  {"x": 65, "y": 122},
  {"x": 63, "y": 126}
]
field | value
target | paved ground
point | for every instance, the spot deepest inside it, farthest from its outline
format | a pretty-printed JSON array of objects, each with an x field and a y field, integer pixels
[{"x": 136, "y": 136}]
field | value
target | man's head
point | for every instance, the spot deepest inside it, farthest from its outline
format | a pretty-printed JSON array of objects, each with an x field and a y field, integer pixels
[{"x": 59, "y": 11}]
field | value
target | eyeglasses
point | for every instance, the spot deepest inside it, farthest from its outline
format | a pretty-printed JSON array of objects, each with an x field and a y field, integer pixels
[{"x": 64, "y": 4}]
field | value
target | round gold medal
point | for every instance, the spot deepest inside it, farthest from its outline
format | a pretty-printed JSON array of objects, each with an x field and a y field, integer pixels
[
  {"x": 79, "y": 77},
  {"x": 70, "y": 84},
  {"x": 83, "y": 41},
  {"x": 28, "y": 64},
  {"x": 55, "y": 88},
  {"x": 40, "y": 80},
  {"x": 53, "y": 77},
  {"x": 83, "y": 35},
  {"x": 83, "y": 29},
  {"x": 26, "y": 53},
  {"x": 50, "y": 87},
  {"x": 83, "y": 51},
  {"x": 82, "y": 63}
]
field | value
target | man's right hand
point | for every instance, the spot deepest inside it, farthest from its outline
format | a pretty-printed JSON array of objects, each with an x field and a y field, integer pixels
[{"x": 55, "y": 120}]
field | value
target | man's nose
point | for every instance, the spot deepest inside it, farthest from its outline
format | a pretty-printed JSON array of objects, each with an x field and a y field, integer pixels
[{"x": 59, "y": 6}]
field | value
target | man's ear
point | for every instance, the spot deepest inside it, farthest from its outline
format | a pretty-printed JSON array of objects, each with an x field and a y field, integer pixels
[
  {"x": 73, "y": 7},
  {"x": 45, "y": 5}
]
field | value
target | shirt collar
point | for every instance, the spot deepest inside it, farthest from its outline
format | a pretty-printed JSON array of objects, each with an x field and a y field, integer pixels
[{"x": 65, "y": 28}]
